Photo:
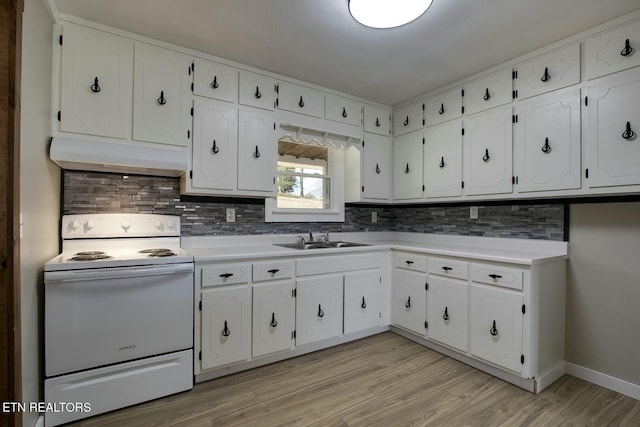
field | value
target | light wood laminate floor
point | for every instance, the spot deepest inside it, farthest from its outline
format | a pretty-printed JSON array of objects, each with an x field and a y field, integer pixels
[{"x": 384, "y": 380}]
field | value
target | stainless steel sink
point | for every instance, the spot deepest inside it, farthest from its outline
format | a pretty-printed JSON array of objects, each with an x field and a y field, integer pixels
[{"x": 319, "y": 245}]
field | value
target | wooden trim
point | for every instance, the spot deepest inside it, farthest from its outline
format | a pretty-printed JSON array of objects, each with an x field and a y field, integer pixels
[{"x": 10, "y": 69}]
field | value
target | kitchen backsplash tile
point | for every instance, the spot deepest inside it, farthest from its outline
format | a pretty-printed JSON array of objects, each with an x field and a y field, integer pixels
[{"x": 90, "y": 192}]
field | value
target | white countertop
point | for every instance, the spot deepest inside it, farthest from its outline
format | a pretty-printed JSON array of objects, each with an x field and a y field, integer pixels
[{"x": 516, "y": 251}]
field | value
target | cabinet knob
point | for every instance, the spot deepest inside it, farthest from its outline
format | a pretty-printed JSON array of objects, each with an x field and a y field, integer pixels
[
  {"x": 487, "y": 95},
  {"x": 226, "y": 275},
  {"x": 406, "y": 169},
  {"x": 546, "y": 76},
  {"x": 445, "y": 268},
  {"x": 95, "y": 87},
  {"x": 408, "y": 303},
  {"x": 226, "y": 331},
  {"x": 628, "y": 133},
  {"x": 493, "y": 331},
  {"x": 273, "y": 271},
  {"x": 162, "y": 100},
  {"x": 486, "y": 156},
  {"x": 495, "y": 276},
  {"x": 377, "y": 122},
  {"x": 628, "y": 50},
  {"x": 214, "y": 148},
  {"x": 301, "y": 103},
  {"x": 258, "y": 95},
  {"x": 377, "y": 169},
  {"x": 546, "y": 148},
  {"x": 445, "y": 316},
  {"x": 441, "y": 110},
  {"x": 441, "y": 162},
  {"x": 214, "y": 83},
  {"x": 320, "y": 312},
  {"x": 406, "y": 121},
  {"x": 274, "y": 322},
  {"x": 256, "y": 154},
  {"x": 364, "y": 304},
  {"x": 344, "y": 112}
]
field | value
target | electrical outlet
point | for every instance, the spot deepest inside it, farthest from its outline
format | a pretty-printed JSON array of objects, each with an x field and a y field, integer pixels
[
  {"x": 231, "y": 214},
  {"x": 473, "y": 212},
  {"x": 374, "y": 216}
]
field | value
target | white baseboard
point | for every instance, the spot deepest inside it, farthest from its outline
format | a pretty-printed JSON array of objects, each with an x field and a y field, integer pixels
[
  {"x": 549, "y": 377},
  {"x": 604, "y": 380}
]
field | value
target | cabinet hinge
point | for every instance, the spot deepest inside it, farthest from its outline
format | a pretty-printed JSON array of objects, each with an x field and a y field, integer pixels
[
  {"x": 514, "y": 74},
  {"x": 423, "y": 188},
  {"x": 462, "y": 131},
  {"x": 59, "y": 115},
  {"x": 274, "y": 180},
  {"x": 191, "y": 87},
  {"x": 193, "y": 65},
  {"x": 380, "y": 279},
  {"x": 422, "y": 122},
  {"x": 586, "y": 101},
  {"x": 363, "y": 188},
  {"x": 200, "y": 355},
  {"x": 514, "y": 118},
  {"x": 422, "y": 141},
  {"x": 515, "y": 94},
  {"x": 200, "y": 306},
  {"x": 523, "y": 309},
  {"x": 60, "y": 40},
  {"x": 294, "y": 294},
  {"x": 462, "y": 184},
  {"x": 522, "y": 359},
  {"x": 191, "y": 174},
  {"x": 586, "y": 173},
  {"x": 188, "y": 134},
  {"x": 277, "y": 102},
  {"x": 517, "y": 180},
  {"x": 191, "y": 111},
  {"x": 513, "y": 180},
  {"x": 423, "y": 106},
  {"x": 462, "y": 110},
  {"x": 293, "y": 334},
  {"x": 363, "y": 143},
  {"x": 276, "y": 87},
  {"x": 426, "y": 325},
  {"x": 426, "y": 286},
  {"x": 274, "y": 125},
  {"x": 462, "y": 92}
]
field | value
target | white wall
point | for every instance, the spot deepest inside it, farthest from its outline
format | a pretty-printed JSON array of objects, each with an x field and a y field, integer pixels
[
  {"x": 39, "y": 192},
  {"x": 603, "y": 289}
]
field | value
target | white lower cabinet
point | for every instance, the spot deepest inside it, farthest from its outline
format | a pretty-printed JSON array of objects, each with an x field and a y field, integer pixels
[
  {"x": 408, "y": 299},
  {"x": 318, "y": 308},
  {"x": 362, "y": 300},
  {"x": 447, "y": 312},
  {"x": 495, "y": 333},
  {"x": 225, "y": 325},
  {"x": 273, "y": 317}
]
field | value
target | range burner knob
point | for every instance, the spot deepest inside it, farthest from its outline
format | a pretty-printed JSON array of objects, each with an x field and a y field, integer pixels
[
  {"x": 125, "y": 224},
  {"x": 89, "y": 225},
  {"x": 159, "y": 225},
  {"x": 75, "y": 224},
  {"x": 171, "y": 225}
]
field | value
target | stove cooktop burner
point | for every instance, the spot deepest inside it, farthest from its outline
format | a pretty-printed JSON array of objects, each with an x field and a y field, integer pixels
[
  {"x": 159, "y": 252},
  {"x": 90, "y": 253},
  {"x": 89, "y": 256}
]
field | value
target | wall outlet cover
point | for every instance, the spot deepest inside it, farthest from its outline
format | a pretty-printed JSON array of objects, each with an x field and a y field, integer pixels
[
  {"x": 231, "y": 214},
  {"x": 374, "y": 216},
  {"x": 473, "y": 212}
]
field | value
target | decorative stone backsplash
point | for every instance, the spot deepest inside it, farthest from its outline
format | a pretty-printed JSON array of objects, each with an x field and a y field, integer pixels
[{"x": 91, "y": 192}]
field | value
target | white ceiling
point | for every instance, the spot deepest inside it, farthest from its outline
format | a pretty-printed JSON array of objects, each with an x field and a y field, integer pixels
[{"x": 317, "y": 40}]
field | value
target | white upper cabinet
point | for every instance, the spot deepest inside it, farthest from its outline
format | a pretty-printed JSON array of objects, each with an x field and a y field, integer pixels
[
  {"x": 256, "y": 150},
  {"x": 257, "y": 90},
  {"x": 376, "y": 167},
  {"x": 548, "y": 72},
  {"x": 408, "y": 119},
  {"x": 377, "y": 120},
  {"x": 407, "y": 166},
  {"x": 162, "y": 97},
  {"x": 300, "y": 99},
  {"x": 215, "y": 145},
  {"x": 489, "y": 91},
  {"x": 613, "y": 144},
  {"x": 215, "y": 80},
  {"x": 488, "y": 153},
  {"x": 443, "y": 160},
  {"x": 96, "y": 87},
  {"x": 547, "y": 143},
  {"x": 613, "y": 50},
  {"x": 443, "y": 107},
  {"x": 343, "y": 110}
]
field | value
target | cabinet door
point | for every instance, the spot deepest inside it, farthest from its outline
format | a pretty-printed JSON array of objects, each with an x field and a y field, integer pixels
[
  {"x": 613, "y": 145},
  {"x": 96, "y": 87},
  {"x": 488, "y": 92},
  {"x": 162, "y": 96},
  {"x": 409, "y": 300},
  {"x": 487, "y": 153},
  {"x": 443, "y": 107},
  {"x": 215, "y": 80},
  {"x": 447, "y": 312},
  {"x": 257, "y": 91},
  {"x": 408, "y": 119},
  {"x": 552, "y": 71},
  {"x": 361, "y": 303},
  {"x": 614, "y": 50},
  {"x": 376, "y": 167},
  {"x": 226, "y": 327},
  {"x": 496, "y": 326},
  {"x": 343, "y": 110},
  {"x": 256, "y": 150},
  {"x": 377, "y": 120},
  {"x": 547, "y": 143},
  {"x": 318, "y": 308},
  {"x": 273, "y": 317},
  {"x": 300, "y": 99},
  {"x": 215, "y": 145},
  {"x": 443, "y": 160},
  {"x": 407, "y": 166}
]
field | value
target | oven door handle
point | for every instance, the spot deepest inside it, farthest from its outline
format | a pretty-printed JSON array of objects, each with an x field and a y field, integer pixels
[{"x": 110, "y": 273}]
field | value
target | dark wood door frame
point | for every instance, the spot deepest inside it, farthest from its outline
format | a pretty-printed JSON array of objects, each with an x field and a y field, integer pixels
[{"x": 10, "y": 61}]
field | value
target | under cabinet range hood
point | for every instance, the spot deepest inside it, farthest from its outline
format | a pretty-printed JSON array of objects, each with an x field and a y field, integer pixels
[{"x": 105, "y": 156}]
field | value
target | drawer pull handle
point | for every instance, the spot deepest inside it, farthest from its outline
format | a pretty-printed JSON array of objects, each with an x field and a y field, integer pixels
[
  {"x": 546, "y": 76},
  {"x": 495, "y": 276},
  {"x": 628, "y": 132},
  {"x": 301, "y": 103},
  {"x": 628, "y": 50},
  {"x": 226, "y": 275},
  {"x": 344, "y": 112},
  {"x": 95, "y": 87},
  {"x": 406, "y": 121},
  {"x": 441, "y": 111},
  {"x": 486, "y": 156},
  {"x": 409, "y": 262},
  {"x": 445, "y": 268},
  {"x": 493, "y": 331},
  {"x": 364, "y": 304},
  {"x": 214, "y": 83},
  {"x": 320, "y": 312},
  {"x": 273, "y": 271},
  {"x": 546, "y": 148},
  {"x": 226, "y": 331},
  {"x": 377, "y": 122},
  {"x": 487, "y": 95},
  {"x": 445, "y": 316},
  {"x": 162, "y": 100},
  {"x": 408, "y": 303},
  {"x": 258, "y": 95},
  {"x": 214, "y": 148},
  {"x": 274, "y": 322}
]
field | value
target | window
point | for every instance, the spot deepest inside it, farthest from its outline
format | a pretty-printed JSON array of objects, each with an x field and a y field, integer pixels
[{"x": 309, "y": 184}]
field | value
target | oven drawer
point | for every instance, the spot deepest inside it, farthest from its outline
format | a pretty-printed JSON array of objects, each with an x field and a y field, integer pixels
[
  {"x": 272, "y": 270},
  {"x": 225, "y": 274}
]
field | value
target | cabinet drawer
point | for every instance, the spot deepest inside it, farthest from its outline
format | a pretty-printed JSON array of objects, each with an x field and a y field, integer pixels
[
  {"x": 609, "y": 52},
  {"x": 225, "y": 274},
  {"x": 257, "y": 90},
  {"x": 334, "y": 264},
  {"x": 407, "y": 119},
  {"x": 300, "y": 99},
  {"x": 215, "y": 80},
  {"x": 488, "y": 92},
  {"x": 377, "y": 120},
  {"x": 555, "y": 70},
  {"x": 506, "y": 277},
  {"x": 443, "y": 106},
  {"x": 409, "y": 261},
  {"x": 272, "y": 270},
  {"x": 449, "y": 268},
  {"x": 343, "y": 110}
]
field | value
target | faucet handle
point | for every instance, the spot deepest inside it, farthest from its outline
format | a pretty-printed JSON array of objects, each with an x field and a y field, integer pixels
[
  {"x": 300, "y": 240},
  {"x": 325, "y": 237}
]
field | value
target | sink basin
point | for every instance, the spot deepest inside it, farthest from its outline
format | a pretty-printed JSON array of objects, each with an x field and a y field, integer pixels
[{"x": 319, "y": 245}]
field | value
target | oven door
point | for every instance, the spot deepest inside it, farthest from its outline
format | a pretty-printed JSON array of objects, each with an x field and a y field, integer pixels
[{"x": 104, "y": 316}]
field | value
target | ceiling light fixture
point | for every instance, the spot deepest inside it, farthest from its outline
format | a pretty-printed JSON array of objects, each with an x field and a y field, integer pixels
[{"x": 387, "y": 13}]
